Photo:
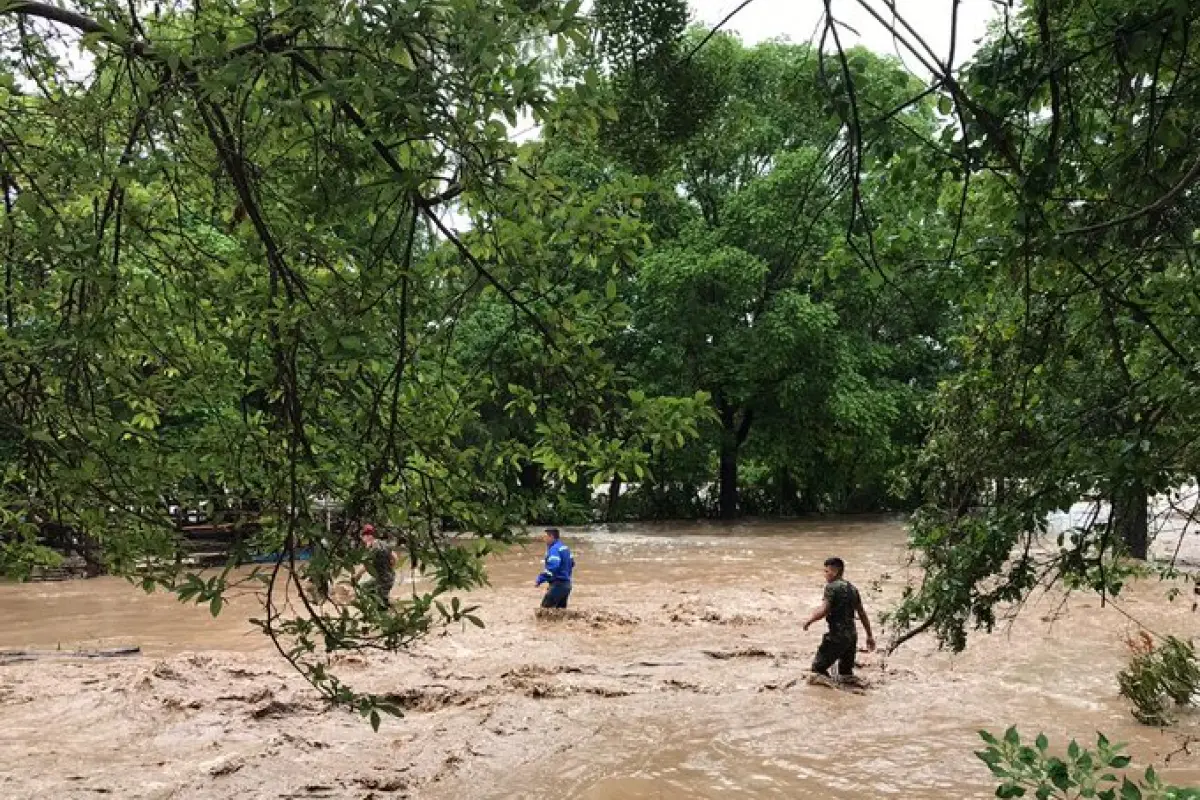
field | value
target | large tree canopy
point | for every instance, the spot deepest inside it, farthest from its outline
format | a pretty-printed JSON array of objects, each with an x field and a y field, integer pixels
[
  {"x": 755, "y": 289},
  {"x": 232, "y": 280}
]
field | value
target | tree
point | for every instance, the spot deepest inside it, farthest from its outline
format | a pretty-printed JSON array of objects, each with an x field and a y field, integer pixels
[
  {"x": 230, "y": 281},
  {"x": 753, "y": 292},
  {"x": 701, "y": 312},
  {"x": 1078, "y": 350}
]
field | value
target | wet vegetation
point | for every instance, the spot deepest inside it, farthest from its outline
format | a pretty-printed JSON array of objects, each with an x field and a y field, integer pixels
[{"x": 1160, "y": 677}]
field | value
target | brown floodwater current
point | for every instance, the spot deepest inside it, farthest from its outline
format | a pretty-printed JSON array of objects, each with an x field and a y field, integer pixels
[{"x": 673, "y": 677}]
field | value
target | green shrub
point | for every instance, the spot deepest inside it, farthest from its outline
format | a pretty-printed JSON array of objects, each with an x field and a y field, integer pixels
[
  {"x": 1025, "y": 770},
  {"x": 1159, "y": 677}
]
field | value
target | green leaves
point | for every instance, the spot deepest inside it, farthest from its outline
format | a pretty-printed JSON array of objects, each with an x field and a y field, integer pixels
[
  {"x": 1159, "y": 676},
  {"x": 745, "y": 288},
  {"x": 1084, "y": 773},
  {"x": 1130, "y": 791}
]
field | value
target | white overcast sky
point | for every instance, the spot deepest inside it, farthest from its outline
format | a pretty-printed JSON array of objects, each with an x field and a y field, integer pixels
[{"x": 796, "y": 20}]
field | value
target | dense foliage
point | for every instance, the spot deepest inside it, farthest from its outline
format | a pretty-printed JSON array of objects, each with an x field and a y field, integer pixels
[
  {"x": 232, "y": 283},
  {"x": 1072, "y": 133},
  {"x": 260, "y": 258},
  {"x": 1160, "y": 678},
  {"x": 752, "y": 291}
]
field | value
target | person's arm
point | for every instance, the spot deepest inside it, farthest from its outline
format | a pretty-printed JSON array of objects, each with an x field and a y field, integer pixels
[
  {"x": 866, "y": 621},
  {"x": 552, "y": 562},
  {"x": 819, "y": 614},
  {"x": 393, "y": 558}
]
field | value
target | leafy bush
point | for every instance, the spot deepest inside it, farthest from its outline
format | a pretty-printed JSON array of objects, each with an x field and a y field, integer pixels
[
  {"x": 1083, "y": 773},
  {"x": 20, "y": 551},
  {"x": 1159, "y": 677}
]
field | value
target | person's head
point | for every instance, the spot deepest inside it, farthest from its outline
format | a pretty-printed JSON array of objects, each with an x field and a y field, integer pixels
[
  {"x": 834, "y": 567},
  {"x": 550, "y": 535},
  {"x": 368, "y": 534}
]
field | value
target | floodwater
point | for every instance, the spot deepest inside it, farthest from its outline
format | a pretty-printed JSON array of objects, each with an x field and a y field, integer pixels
[{"x": 672, "y": 678}]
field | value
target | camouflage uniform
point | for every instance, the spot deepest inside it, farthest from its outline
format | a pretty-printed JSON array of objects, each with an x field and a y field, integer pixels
[
  {"x": 380, "y": 568},
  {"x": 840, "y": 644}
]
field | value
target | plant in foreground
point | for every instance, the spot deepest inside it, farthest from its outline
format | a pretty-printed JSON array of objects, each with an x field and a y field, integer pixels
[{"x": 1032, "y": 771}]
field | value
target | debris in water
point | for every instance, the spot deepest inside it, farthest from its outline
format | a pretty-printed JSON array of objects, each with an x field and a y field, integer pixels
[
  {"x": 396, "y": 783},
  {"x": 748, "y": 652},
  {"x": 852, "y": 684},
  {"x": 226, "y": 766},
  {"x": 595, "y": 618},
  {"x": 13, "y": 656},
  {"x": 275, "y": 708}
]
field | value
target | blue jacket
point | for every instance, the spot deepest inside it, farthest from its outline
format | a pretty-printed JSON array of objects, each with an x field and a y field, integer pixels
[{"x": 559, "y": 564}]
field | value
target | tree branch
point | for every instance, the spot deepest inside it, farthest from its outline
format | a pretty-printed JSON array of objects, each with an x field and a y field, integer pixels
[
  {"x": 55, "y": 14},
  {"x": 1184, "y": 183},
  {"x": 140, "y": 47}
]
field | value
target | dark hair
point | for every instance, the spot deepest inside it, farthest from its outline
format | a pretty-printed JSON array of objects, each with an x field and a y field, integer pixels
[
  {"x": 837, "y": 564},
  {"x": 553, "y": 532}
]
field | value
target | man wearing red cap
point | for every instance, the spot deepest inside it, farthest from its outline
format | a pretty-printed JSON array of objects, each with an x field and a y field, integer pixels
[{"x": 381, "y": 564}]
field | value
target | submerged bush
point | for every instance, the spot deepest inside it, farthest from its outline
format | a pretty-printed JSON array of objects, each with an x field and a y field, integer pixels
[{"x": 1160, "y": 677}]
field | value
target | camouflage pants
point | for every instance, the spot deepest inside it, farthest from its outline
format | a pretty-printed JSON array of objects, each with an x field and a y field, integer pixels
[
  {"x": 836, "y": 649},
  {"x": 380, "y": 592}
]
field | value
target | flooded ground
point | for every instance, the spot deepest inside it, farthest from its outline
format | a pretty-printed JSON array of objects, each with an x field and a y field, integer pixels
[{"x": 673, "y": 679}]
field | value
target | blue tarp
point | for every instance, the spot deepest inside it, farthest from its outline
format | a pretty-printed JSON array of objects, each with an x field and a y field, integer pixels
[{"x": 271, "y": 558}]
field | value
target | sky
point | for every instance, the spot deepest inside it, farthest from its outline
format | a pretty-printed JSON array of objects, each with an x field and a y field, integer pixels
[{"x": 798, "y": 19}]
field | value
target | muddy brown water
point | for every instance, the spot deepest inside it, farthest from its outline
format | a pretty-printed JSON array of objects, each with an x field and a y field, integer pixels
[{"x": 672, "y": 678}]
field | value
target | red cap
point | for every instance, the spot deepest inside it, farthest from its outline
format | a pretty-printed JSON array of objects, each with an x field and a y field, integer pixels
[{"x": 368, "y": 528}]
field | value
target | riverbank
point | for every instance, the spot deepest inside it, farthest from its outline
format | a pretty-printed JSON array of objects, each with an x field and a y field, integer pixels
[{"x": 673, "y": 678}]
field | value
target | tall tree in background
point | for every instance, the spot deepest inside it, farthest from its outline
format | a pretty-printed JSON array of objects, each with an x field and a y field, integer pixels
[{"x": 752, "y": 291}]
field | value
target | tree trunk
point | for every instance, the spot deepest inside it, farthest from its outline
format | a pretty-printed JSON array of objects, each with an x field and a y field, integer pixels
[
  {"x": 733, "y": 435},
  {"x": 788, "y": 492},
  {"x": 531, "y": 476},
  {"x": 1129, "y": 516},
  {"x": 92, "y": 557},
  {"x": 614, "y": 496},
  {"x": 728, "y": 479},
  {"x": 1131, "y": 520}
]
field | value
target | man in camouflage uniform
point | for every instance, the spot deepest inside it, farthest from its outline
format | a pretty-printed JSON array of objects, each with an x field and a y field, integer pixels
[
  {"x": 842, "y": 602},
  {"x": 381, "y": 565}
]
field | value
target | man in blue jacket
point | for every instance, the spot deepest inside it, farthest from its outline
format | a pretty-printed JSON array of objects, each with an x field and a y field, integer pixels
[{"x": 559, "y": 566}]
